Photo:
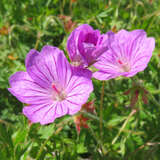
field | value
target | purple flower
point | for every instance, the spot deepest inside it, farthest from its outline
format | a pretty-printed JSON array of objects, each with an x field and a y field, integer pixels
[
  {"x": 85, "y": 45},
  {"x": 128, "y": 54},
  {"x": 51, "y": 86}
]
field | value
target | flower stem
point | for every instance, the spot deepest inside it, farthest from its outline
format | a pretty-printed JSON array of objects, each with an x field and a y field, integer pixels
[
  {"x": 124, "y": 125},
  {"x": 101, "y": 111},
  {"x": 103, "y": 151},
  {"x": 92, "y": 116},
  {"x": 38, "y": 40}
]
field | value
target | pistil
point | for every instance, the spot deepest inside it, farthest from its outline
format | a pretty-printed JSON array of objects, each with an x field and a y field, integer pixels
[
  {"x": 55, "y": 89},
  {"x": 58, "y": 94}
]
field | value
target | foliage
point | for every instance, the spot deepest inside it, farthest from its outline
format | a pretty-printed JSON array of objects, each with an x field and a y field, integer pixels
[{"x": 121, "y": 132}]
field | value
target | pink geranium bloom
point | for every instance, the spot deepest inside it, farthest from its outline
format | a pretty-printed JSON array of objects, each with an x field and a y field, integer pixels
[
  {"x": 128, "y": 54},
  {"x": 85, "y": 45},
  {"x": 51, "y": 86}
]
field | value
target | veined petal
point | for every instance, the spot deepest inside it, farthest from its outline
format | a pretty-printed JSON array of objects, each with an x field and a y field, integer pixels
[
  {"x": 48, "y": 66},
  {"x": 74, "y": 40},
  {"x": 107, "y": 67},
  {"x": 102, "y": 44},
  {"x": 79, "y": 87},
  {"x": 143, "y": 55},
  {"x": 145, "y": 50},
  {"x": 62, "y": 109},
  {"x": 57, "y": 64},
  {"x": 85, "y": 45},
  {"x": 72, "y": 107},
  {"x": 102, "y": 75},
  {"x": 123, "y": 43},
  {"x": 79, "y": 76},
  {"x": 43, "y": 113},
  {"x": 37, "y": 70},
  {"x": 26, "y": 90}
]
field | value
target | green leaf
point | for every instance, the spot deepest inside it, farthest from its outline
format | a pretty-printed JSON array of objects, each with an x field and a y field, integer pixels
[
  {"x": 46, "y": 131},
  {"x": 115, "y": 120},
  {"x": 81, "y": 148},
  {"x": 19, "y": 136}
]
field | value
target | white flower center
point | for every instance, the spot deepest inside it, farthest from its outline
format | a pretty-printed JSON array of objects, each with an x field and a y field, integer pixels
[
  {"x": 58, "y": 93},
  {"x": 76, "y": 63},
  {"x": 123, "y": 65},
  {"x": 60, "y": 97}
]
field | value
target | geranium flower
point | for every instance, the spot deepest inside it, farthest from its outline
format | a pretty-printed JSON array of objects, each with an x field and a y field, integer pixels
[
  {"x": 85, "y": 45},
  {"x": 51, "y": 86},
  {"x": 128, "y": 54}
]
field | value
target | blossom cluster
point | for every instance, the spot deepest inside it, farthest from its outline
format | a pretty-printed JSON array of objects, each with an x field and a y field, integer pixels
[{"x": 52, "y": 87}]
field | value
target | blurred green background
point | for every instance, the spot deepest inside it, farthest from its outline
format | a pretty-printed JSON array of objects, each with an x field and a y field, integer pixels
[{"x": 27, "y": 24}]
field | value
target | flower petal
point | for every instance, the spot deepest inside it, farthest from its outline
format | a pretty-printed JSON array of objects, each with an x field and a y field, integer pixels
[
  {"x": 57, "y": 63},
  {"x": 62, "y": 109},
  {"x": 72, "y": 107},
  {"x": 43, "y": 113},
  {"x": 81, "y": 45},
  {"x": 107, "y": 67},
  {"x": 37, "y": 70},
  {"x": 48, "y": 67},
  {"x": 26, "y": 90},
  {"x": 73, "y": 41},
  {"x": 101, "y": 75},
  {"x": 145, "y": 51},
  {"x": 79, "y": 89}
]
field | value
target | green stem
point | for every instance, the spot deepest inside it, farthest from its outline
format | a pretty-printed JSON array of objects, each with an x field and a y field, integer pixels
[
  {"x": 38, "y": 40},
  {"x": 101, "y": 110},
  {"x": 93, "y": 116},
  {"x": 98, "y": 141},
  {"x": 124, "y": 125},
  {"x": 37, "y": 43}
]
